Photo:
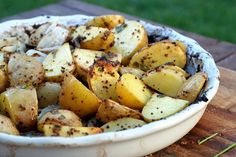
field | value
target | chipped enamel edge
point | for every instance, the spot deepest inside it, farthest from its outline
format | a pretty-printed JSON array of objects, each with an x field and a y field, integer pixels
[{"x": 194, "y": 49}]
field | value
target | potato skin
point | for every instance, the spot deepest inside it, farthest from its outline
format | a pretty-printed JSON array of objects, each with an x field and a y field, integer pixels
[
  {"x": 132, "y": 92},
  {"x": 192, "y": 87},
  {"x": 102, "y": 79},
  {"x": 48, "y": 94},
  {"x": 106, "y": 21},
  {"x": 69, "y": 131},
  {"x": 21, "y": 105},
  {"x": 110, "y": 110},
  {"x": 6, "y": 126},
  {"x": 135, "y": 71},
  {"x": 93, "y": 38},
  {"x": 59, "y": 117},
  {"x": 158, "y": 54},
  {"x": 122, "y": 124},
  {"x": 3, "y": 81},
  {"x": 76, "y": 97},
  {"x": 24, "y": 70}
]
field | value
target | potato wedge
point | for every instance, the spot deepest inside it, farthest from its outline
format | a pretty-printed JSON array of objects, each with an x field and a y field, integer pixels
[
  {"x": 106, "y": 21},
  {"x": 48, "y": 94},
  {"x": 12, "y": 44},
  {"x": 160, "y": 106},
  {"x": 69, "y": 131},
  {"x": 129, "y": 38},
  {"x": 3, "y": 81},
  {"x": 93, "y": 38},
  {"x": 111, "y": 110},
  {"x": 24, "y": 70},
  {"x": 175, "y": 68},
  {"x": 38, "y": 34},
  {"x": 84, "y": 59},
  {"x": 59, "y": 117},
  {"x": 166, "y": 81},
  {"x": 6, "y": 126},
  {"x": 21, "y": 105},
  {"x": 132, "y": 92},
  {"x": 76, "y": 97},
  {"x": 102, "y": 79},
  {"x": 57, "y": 63},
  {"x": 157, "y": 54},
  {"x": 122, "y": 124},
  {"x": 192, "y": 87},
  {"x": 54, "y": 36},
  {"x": 137, "y": 72}
]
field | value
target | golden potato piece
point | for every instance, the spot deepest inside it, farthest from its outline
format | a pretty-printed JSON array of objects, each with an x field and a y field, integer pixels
[
  {"x": 24, "y": 70},
  {"x": 106, "y": 21},
  {"x": 102, "y": 79},
  {"x": 192, "y": 87},
  {"x": 6, "y": 126},
  {"x": 84, "y": 59},
  {"x": 93, "y": 38},
  {"x": 137, "y": 72},
  {"x": 175, "y": 68},
  {"x": 122, "y": 124},
  {"x": 21, "y": 105},
  {"x": 166, "y": 81},
  {"x": 48, "y": 94},
  {"x": 76, "y": 97},
  {"x": 57, "y": 63},
  {"x": 111, "y": 110},
  {"x": 160, "y": 106},
  {"x": 69, "y": 131},
  {"x": 157, "y": 54},
  {"x": 132, "y": 92},
  {"x": 3, "y": 81},
  {"x": 59, "y": 117},
  {"x": 129, "y": 38}
]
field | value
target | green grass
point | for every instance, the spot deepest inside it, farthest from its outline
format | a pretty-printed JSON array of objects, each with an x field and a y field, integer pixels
[
  {"x": 12, "y": 7},
  {"x": 213, "y": 18}
]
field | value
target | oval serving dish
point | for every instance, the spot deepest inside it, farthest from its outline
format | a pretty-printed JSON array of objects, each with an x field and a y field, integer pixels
[{"x": 134, "y": 142}]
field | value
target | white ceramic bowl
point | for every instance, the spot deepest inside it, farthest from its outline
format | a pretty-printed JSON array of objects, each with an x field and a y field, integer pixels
[{"x": 134, "y": 142}]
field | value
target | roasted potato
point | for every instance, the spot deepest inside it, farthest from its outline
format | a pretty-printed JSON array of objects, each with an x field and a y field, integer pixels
[
  {"x": 111, "y": 110},
  {"x": 160, "y": 106},
  {"x": 39, "y": 56},
  {"x": 76, "y": 97},
  {"x": 54, "y": 36},
  {"x": 164, "y": 80},
  {"x": 175, "y": 68},
  {"x": 132, "y": 92},
  {"x": 24, "y": 70},
  {"x": 57, "y": 63},
  {"x": 59, "y": 117},
  {"x": 69, "y": 131},
  {"x": 122, "y": 124},
  {"x": 102, "y": 79},
  {"x": 106, "y": 21},
  {"x": 157, "y": 54},
  {"x": 192, "y": 87},
  {"x": 12, "y": 44},
  {"x": 137, "y": 72},
  {"x": 21, "y": 105},
  {"x": 38, "y": 34},
  {"x": 6, "y": 126},
  {"x": 3, "y": 81},
  {"x": 129, "y": 38},
  {"x": 48, "y": 94},
  {"x": 84, "y": 59},
  {"x": 93, "y": 38}
]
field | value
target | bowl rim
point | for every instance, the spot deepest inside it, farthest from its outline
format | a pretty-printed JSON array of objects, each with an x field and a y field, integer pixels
[{"x": 110, "y": 137}]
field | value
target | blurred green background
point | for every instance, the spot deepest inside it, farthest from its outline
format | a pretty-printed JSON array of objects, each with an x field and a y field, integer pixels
[{"x": 213, "y": 18}]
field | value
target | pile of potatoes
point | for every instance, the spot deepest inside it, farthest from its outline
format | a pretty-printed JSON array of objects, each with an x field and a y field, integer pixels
[{"x": 103, "y": 76}]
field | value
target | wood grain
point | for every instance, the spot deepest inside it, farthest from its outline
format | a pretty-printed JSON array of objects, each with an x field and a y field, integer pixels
[{"x": 220, "y": 115}]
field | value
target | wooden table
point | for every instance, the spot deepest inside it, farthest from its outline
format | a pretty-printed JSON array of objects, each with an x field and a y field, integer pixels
[{"x": 220, "y": 115}]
